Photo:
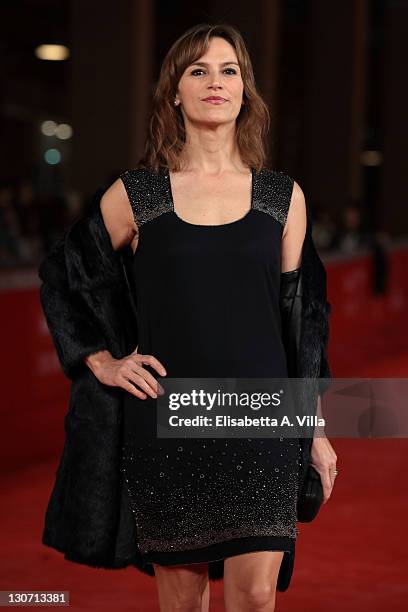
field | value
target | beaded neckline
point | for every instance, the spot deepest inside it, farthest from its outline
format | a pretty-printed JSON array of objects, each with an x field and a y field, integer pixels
[{"x": 208, "y": 226}]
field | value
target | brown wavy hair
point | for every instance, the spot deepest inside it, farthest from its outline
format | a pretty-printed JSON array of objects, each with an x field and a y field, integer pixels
[{"x": 166, "y": 132}]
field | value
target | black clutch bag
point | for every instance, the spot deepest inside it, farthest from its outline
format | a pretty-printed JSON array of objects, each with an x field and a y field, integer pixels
[{"x": 311, "y": 496}]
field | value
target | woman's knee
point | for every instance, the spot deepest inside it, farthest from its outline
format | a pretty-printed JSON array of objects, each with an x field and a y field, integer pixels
[
  {"x": 250, "y": 581},
  {"x": 256, "y": 597},
  {"x": 181, "y": 588}
]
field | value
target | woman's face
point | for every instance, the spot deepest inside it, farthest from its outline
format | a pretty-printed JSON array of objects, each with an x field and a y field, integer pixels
[{"x": 216, "y": 73}]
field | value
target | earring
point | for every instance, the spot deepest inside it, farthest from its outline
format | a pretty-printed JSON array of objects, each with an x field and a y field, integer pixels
[{"x": 175, "y": 101}]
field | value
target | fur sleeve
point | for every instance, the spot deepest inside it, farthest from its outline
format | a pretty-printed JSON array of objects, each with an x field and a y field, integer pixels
[
  {"x": 73, "y": 329},
  {"x": 325, "y": 371},
  {"x": 290, "y": 302},
  {"x": 316, "y": 304}
]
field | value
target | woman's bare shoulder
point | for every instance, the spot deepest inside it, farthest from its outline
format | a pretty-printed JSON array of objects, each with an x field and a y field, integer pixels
[{"x": 118, "y": 215}]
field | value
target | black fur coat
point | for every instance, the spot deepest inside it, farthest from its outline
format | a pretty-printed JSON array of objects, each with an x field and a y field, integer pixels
[{"x": 86, "y": 296}]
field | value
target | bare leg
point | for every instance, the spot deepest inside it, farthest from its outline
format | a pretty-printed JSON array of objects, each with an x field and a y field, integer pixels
[
  {"x": 183, "y": 588},
  {"x": 250, "y": 581},
  {"x": 206, "y": 598}
]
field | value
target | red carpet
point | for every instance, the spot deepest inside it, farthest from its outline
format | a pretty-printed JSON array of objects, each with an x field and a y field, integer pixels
[{"x": 353, "y": 556}]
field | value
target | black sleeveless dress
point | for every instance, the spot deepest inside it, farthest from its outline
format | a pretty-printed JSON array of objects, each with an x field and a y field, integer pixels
[{"x": 207, "y": 299}]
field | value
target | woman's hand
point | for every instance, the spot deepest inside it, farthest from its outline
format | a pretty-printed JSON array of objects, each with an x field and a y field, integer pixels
[
  {"x": 123, "y": 372},
  {"x": 323, "y": 458}
]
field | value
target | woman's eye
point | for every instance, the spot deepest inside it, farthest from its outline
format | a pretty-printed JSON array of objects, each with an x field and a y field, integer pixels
[{"x": 201, "y": 70}]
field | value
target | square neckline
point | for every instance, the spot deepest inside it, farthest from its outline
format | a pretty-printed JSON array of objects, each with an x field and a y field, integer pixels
[{"x": 199, "y": 225}]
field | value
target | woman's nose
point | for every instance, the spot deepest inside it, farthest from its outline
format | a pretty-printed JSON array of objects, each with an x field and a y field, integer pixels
[{"x": 214, "y": 80}]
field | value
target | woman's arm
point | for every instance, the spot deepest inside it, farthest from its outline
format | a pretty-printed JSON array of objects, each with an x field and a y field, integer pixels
[
  {"x": 322, "y": 455},
  {"x": 291, "y": 279},
  {"x": 293, "y": 239},
  {"x": 120, "y": 223},
  {"x": 118, "y": 216},
  {"x": 77, "y": 340},
  {"x": 294, "y": 231}
]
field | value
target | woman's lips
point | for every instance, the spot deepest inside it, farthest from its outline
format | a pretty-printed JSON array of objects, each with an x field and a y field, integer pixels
[{"x": 215, "y": 101}]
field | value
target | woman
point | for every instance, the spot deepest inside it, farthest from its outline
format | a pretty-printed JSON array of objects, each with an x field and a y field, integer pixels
[{"x": 211, "y": 231}]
